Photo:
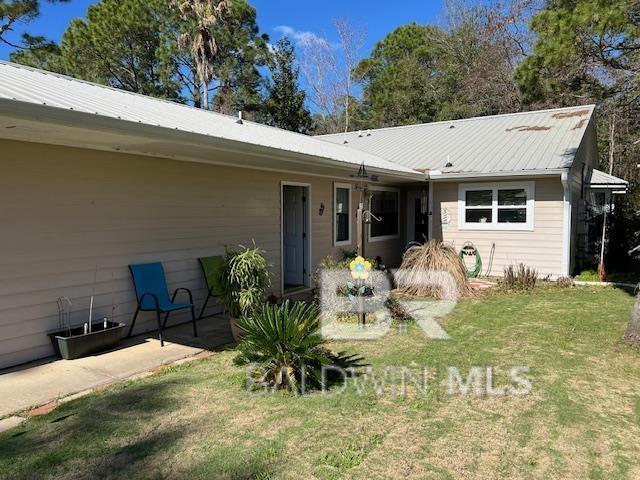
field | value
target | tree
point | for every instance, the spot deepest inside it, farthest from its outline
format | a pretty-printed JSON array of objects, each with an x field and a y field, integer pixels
[
  {"x": 327, "y": 68},
  {"x": 463, "y": 68},
  {"x": 120, "y": 44},
  {"x": 201, "y": 18},
  {"x": 40, "y": 53},
  {"x": 585, "y": 50},
  {"x": 398, "y": 77},
  {"x": 285, "y": 100},
  {"x": 238, "y": 83},
  {"x": 13, "y": 12}
]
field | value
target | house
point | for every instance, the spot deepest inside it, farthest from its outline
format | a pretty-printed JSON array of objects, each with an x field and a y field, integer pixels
[{"x": 94, "y": 179}]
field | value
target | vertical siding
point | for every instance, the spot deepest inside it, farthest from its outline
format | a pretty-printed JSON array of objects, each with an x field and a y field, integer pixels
[
  {"x": 69, "y": 213},
  {"x": 540, "y": 248}
]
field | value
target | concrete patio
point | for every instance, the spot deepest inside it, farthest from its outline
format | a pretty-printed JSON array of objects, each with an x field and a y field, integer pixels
[{"x": 48, "y": 380}]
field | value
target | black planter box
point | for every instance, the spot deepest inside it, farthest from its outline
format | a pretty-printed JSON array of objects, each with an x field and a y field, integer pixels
[{"x": 79, "y": 344}]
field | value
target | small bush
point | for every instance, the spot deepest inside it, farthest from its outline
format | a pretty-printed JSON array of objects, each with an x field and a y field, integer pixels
[
  {"x": 283, "y": 341},
  {"x": 589, "y": 276},
  {"x": 519, "y": 277},
  {"x": 564, "y": 282}
]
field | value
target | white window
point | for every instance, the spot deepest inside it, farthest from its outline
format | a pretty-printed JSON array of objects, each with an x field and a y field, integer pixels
[
  {"x": 384, "y": 205},
  {"x": 342, "y": 214},
  {"x": 496, "y": 206}
]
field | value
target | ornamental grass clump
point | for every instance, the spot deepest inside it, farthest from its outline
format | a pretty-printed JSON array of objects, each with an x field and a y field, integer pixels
[
  {"x": 284, "y": 346},
  {"x": 425, "y": 265},
  {"x": 519, "y": 277}
]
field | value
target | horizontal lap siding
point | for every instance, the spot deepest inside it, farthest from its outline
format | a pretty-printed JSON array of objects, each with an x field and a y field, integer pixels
[
  {"x": 540, "y": 248},
  {"x": 66, "y": 211}
]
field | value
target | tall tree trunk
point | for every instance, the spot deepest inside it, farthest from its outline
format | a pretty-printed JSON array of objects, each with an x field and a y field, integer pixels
[
  {"x": 632, "y": 335},
  {"x": 205, "y": 96},
  {"x": 601, "y": 267}
]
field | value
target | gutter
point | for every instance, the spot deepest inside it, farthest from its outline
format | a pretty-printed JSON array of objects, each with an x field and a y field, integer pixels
[
  {"x": 437, "y": 175},
  {"x": 100, "y": 123},
  {"x": 566, "y": 223}
]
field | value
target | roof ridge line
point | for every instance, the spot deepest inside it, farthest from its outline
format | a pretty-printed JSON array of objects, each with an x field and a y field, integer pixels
[{"x": 592, "y": 106}]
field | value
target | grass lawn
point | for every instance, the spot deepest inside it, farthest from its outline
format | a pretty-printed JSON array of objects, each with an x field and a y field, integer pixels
[{"x": 582, "y": 419}]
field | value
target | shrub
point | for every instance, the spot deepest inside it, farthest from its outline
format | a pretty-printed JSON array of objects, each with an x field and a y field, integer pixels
[
  {"x": 520, "y": 277},
  {"x": 433, "y": 256},
  {"x": 284, "y": 340},
  {"x": 564, "y": 282},
  {"x": 589, "y": 276},
  {"x": 242, "y": 280}
]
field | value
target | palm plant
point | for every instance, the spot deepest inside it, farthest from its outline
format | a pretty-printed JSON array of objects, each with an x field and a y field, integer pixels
[
  {"x": 284, "y": 342},
  {"x": 203, "y": 16}
]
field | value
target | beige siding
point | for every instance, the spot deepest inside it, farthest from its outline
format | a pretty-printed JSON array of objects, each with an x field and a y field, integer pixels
[
  {"x": 67, "y": 212},
  {"x": 540, "y": 248}
]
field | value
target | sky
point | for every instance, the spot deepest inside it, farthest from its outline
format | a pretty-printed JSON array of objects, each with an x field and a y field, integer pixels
[{"x": 297, "y": 18}]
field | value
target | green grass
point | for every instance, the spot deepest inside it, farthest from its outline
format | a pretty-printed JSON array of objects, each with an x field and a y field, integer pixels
[{"x": 582, "y": 419}]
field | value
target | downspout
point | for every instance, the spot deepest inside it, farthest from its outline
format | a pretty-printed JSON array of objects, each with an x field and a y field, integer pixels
[{"x": 566, "y": 223}]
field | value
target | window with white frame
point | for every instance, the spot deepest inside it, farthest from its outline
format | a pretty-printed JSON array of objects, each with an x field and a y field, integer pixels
[
  {"x": 496, "y": 206},
  {"x": 384, "y": 206},
  {"x": 342, "y": 213}
]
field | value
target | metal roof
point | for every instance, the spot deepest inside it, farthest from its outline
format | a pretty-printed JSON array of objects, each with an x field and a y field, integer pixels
[
  {"x": 544, "y": 140},
  {"x": 30, "y": 86},
  {"x": 598, "y": 179}
]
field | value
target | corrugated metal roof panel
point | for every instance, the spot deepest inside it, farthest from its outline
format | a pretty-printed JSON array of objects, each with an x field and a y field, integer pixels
[
  {"x": 597, "y": 177},
  {"x": 25, "y": 84},
  {"x": 540, "y": 140}
]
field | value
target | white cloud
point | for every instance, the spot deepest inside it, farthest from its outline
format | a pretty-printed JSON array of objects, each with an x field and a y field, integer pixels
[{"x": 301, "y": 38}]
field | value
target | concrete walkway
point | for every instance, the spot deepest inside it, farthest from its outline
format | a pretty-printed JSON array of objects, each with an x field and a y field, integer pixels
[{"x": 41, "y": 382}]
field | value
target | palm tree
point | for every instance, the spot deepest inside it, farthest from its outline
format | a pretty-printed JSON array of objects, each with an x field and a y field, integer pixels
[{"x": 203, "y": 15}]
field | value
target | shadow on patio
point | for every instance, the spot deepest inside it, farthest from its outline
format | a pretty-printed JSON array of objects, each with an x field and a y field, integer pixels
[{"x": 50, "y": 379}]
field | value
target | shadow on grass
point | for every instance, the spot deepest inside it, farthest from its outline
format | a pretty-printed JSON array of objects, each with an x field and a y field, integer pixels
[{"x": 94, "y": 437}]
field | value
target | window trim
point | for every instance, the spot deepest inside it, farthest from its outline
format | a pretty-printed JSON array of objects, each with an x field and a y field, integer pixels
[
  {"x": 384, "y": 238},
  {"x": 529, "y": 188},
  {"x": 349, "y": 241}
]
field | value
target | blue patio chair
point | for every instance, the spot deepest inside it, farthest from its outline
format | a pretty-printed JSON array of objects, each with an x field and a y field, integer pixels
[{"x": 152, "y": 295}]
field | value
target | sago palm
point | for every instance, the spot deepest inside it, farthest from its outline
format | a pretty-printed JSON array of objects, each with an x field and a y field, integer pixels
[
  {"x": 203, "y": 16},
  {"x": 284, "y": 344}
]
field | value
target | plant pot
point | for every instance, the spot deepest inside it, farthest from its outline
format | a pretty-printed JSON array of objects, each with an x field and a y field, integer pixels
[
  {"x": 76, "y": 343},
  {"x": 235, "y": 331}
]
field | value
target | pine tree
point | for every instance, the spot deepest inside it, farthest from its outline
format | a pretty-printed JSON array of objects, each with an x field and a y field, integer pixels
[{"x": 286, "y": 101}]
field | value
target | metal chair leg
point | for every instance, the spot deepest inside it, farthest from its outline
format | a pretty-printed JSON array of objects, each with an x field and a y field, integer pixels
[
  {"x": 133, "y": 322},
  {"x": 159, "y": 328},
  {"x": 193, "y": 318},
  {"x": 166, "y": 317},
  {"x": 204, "y": 307}
]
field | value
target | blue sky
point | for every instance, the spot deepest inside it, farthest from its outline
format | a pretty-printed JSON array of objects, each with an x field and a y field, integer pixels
[{"x": 380, "y": 17}]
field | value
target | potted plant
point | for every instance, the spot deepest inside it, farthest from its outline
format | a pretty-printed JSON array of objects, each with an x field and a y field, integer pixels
[{"x": 242, "y": 282}]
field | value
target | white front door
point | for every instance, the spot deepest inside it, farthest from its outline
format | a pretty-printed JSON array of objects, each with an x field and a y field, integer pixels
[{"x": 293, "y": 234}]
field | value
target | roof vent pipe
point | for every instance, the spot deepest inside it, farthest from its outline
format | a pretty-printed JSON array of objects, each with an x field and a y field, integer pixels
[
  {"x": 452, "y": 126},
  {"x": 239, "y": 121}
]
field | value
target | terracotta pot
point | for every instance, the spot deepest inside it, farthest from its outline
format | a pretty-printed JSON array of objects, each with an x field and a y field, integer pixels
[{"x": 235, "y": 331}]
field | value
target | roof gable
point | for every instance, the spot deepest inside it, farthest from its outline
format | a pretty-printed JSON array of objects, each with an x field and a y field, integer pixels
[{"x": 517, "y": 142}]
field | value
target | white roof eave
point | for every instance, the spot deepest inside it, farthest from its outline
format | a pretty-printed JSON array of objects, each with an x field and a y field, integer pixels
[{"x": 61, "y": 117}]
